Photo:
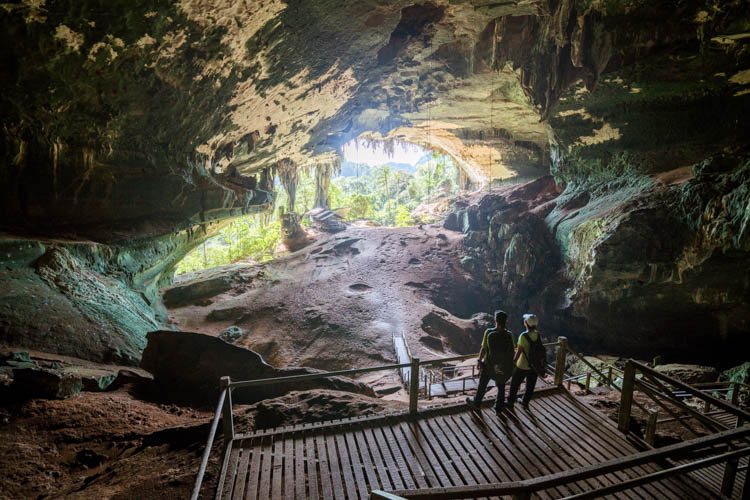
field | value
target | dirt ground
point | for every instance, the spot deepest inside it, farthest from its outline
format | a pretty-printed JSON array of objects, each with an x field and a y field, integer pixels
[{"x": 337, "y": 303}]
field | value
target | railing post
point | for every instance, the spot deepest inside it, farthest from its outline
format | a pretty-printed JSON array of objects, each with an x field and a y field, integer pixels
[
  {"x": 626, "y": 401},
  {"x": 609, "y": 377},
  {"x": 227, "y": 418},
  {"x": 730, "y": 472},
  {"x": 562, "y": 353},
  {"x": 588, "y": 382},
  {"x": 727, "y": 482},
  {"x": 414, "y": 385},
  {"x": 735, "y": 398},
  {"x": 651, "y": 426}
]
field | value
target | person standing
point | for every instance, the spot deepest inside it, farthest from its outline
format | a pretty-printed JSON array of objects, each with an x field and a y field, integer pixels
[
  {"x": 530, "y": 360},
  {"x": 495, "y": 361}
]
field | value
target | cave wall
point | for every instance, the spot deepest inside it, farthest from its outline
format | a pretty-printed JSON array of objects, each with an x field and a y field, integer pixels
[{"x": 131, "y": 130}]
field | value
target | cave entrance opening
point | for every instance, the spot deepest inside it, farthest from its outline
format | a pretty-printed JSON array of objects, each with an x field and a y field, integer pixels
[
  {"x": 394, "y": 183},
  {"x": 383, "y": 183}
]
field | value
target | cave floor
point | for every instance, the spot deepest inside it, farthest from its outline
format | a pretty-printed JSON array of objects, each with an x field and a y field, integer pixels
[{"x": 441, "y": 447}]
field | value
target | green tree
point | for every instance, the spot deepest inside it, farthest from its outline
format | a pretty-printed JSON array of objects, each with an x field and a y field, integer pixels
[{"x": 403, "y": 217}]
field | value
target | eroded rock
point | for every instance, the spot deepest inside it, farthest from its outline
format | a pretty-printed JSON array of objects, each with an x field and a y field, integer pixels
[{"x": 187, "y": 366}]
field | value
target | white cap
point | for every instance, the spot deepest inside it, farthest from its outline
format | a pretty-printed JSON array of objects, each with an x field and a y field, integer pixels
[{"x": 531, "y": 320}]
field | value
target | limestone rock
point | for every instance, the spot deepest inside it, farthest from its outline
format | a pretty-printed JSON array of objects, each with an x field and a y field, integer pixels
[
  {"x": 690, "y": 374},
  {"x": 21, "y": 356},
  {"x": 45, "y": 383},
  {"x": 94, "y": 380},
  {"x": 231, "y": 334},
  {"x": 187, "y": 366},
  {"x": 179, "y": 295},
  {"x": 739, "y": 373}
]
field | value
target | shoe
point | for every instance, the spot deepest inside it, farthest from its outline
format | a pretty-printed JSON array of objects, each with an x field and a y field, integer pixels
[
  {"x": 470, "y": 402},
  {"x": 525, "y": 405},
  {"x": 499, "y": 411}
]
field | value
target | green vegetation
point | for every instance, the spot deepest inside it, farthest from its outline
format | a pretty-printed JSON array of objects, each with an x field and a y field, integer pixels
[
  {"x": 253, "y": 237},
  {"x": 385, "y": 194}
]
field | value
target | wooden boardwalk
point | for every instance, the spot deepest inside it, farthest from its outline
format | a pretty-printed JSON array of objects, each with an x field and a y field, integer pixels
[{"x": 441, "y": 446}]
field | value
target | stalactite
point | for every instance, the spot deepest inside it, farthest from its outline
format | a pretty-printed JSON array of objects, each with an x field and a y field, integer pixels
[{"x": 287, "y": 172}]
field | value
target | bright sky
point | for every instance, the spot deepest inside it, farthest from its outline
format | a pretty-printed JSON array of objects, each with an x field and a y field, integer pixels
[{"x": 358, "y": 151}]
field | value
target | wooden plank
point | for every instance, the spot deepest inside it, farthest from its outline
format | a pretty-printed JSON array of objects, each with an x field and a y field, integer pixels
[
  {"x": 500, "y": 449},
  {"x": 234, "y": 455},
  {"x": 390, "y": 463},
  {"x": 442, "y": 459},
  {"x": 454, "y": 457},
  {"x": 351, "y": 488},
  {"x": 571, "y": 455},
  {"x": 605, "y": 446},
  {"x": 278, "y": 470},
  {"x": 364, "y": 449},
  {"x": 311, "y": 462},
  {"x": 454, "y": 468},
  {"x": 325, "y": 476},
  {"x": 401, "y": 463},
  {"x": 223, "y": 472},
  {"x": 477, "y": 450},
  {"x": 239, "y": 484},
  {"x": 251, "y": 492},
  {"x": 620, "y": 447},
  {"x": 299, "y": 467},
  {"x": 333, "y": 465},
  {"x": 264, "y": 490},
  {"x": 415, "y": 466},
  {"x": 496, "y": 461},
  {"x": 528, "y": 447},
  {"x": 465, "y": 466},
  {"x": 354, "y": 456},
  {"x": 408, "y": 434},
  {"x": 595, "y": 448},
  {"x": 378, "y": 459},
  {"x": 525, "y": 466},
  {"x": 289, "y": 467}
]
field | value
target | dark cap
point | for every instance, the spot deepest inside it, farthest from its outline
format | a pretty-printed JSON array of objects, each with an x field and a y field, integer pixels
[{"x": 501, "y": 316}]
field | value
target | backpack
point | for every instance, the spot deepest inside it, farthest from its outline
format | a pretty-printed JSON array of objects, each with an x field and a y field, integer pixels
[
  {"x": 500, "y": 350},
  {"x": 537, "y": 354}
]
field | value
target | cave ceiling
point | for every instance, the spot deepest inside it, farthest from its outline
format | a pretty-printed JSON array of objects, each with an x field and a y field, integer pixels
[
  {"x": 322, "y": 73},
  {"x": 136, "y": 115}
]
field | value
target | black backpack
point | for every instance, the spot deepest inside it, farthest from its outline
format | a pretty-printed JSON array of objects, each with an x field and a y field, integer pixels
[
  {"x": 500, "y": 352},
  {"x": 537, "y": 354}
]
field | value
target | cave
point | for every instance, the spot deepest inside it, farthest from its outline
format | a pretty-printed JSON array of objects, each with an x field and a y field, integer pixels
[{"x": 595, "y": 167}]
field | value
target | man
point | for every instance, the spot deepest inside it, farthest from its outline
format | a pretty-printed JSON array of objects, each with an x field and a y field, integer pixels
[
  {"x": 529, "y": 360},
  {"x": 495, "y": 361}
]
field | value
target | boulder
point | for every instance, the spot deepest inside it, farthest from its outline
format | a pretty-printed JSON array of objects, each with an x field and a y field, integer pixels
[
  {"x": 45, "y": 383},
  {"x": 187, "y": 367},
  {"x": 201, "y": 288},
  {"x": 602, "y": 363},
  {"x": 690, "y": 374},
  {"x": 225, "y": 313},
  {"x": 739, "y": 373},
  {"x": 17, "y": 356},
  {"x": 93, "y": 380},
  {"x": 231, "y": 334},
  {"x": 126, "y": 376}
]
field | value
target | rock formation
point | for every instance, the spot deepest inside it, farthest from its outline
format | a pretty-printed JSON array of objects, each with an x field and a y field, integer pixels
[{"x": 131, "y": 133}]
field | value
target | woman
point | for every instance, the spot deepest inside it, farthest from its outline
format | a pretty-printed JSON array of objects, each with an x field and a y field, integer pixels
[{"x": 529, "y": 360}]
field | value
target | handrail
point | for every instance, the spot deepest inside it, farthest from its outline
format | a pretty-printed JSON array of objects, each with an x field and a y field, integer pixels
[
  {"x": 697, "y": 393},
  {"x": 566, "y": 477},
  {"x": 209, "y": 445},
  {"x": 313, "y": 376}
]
